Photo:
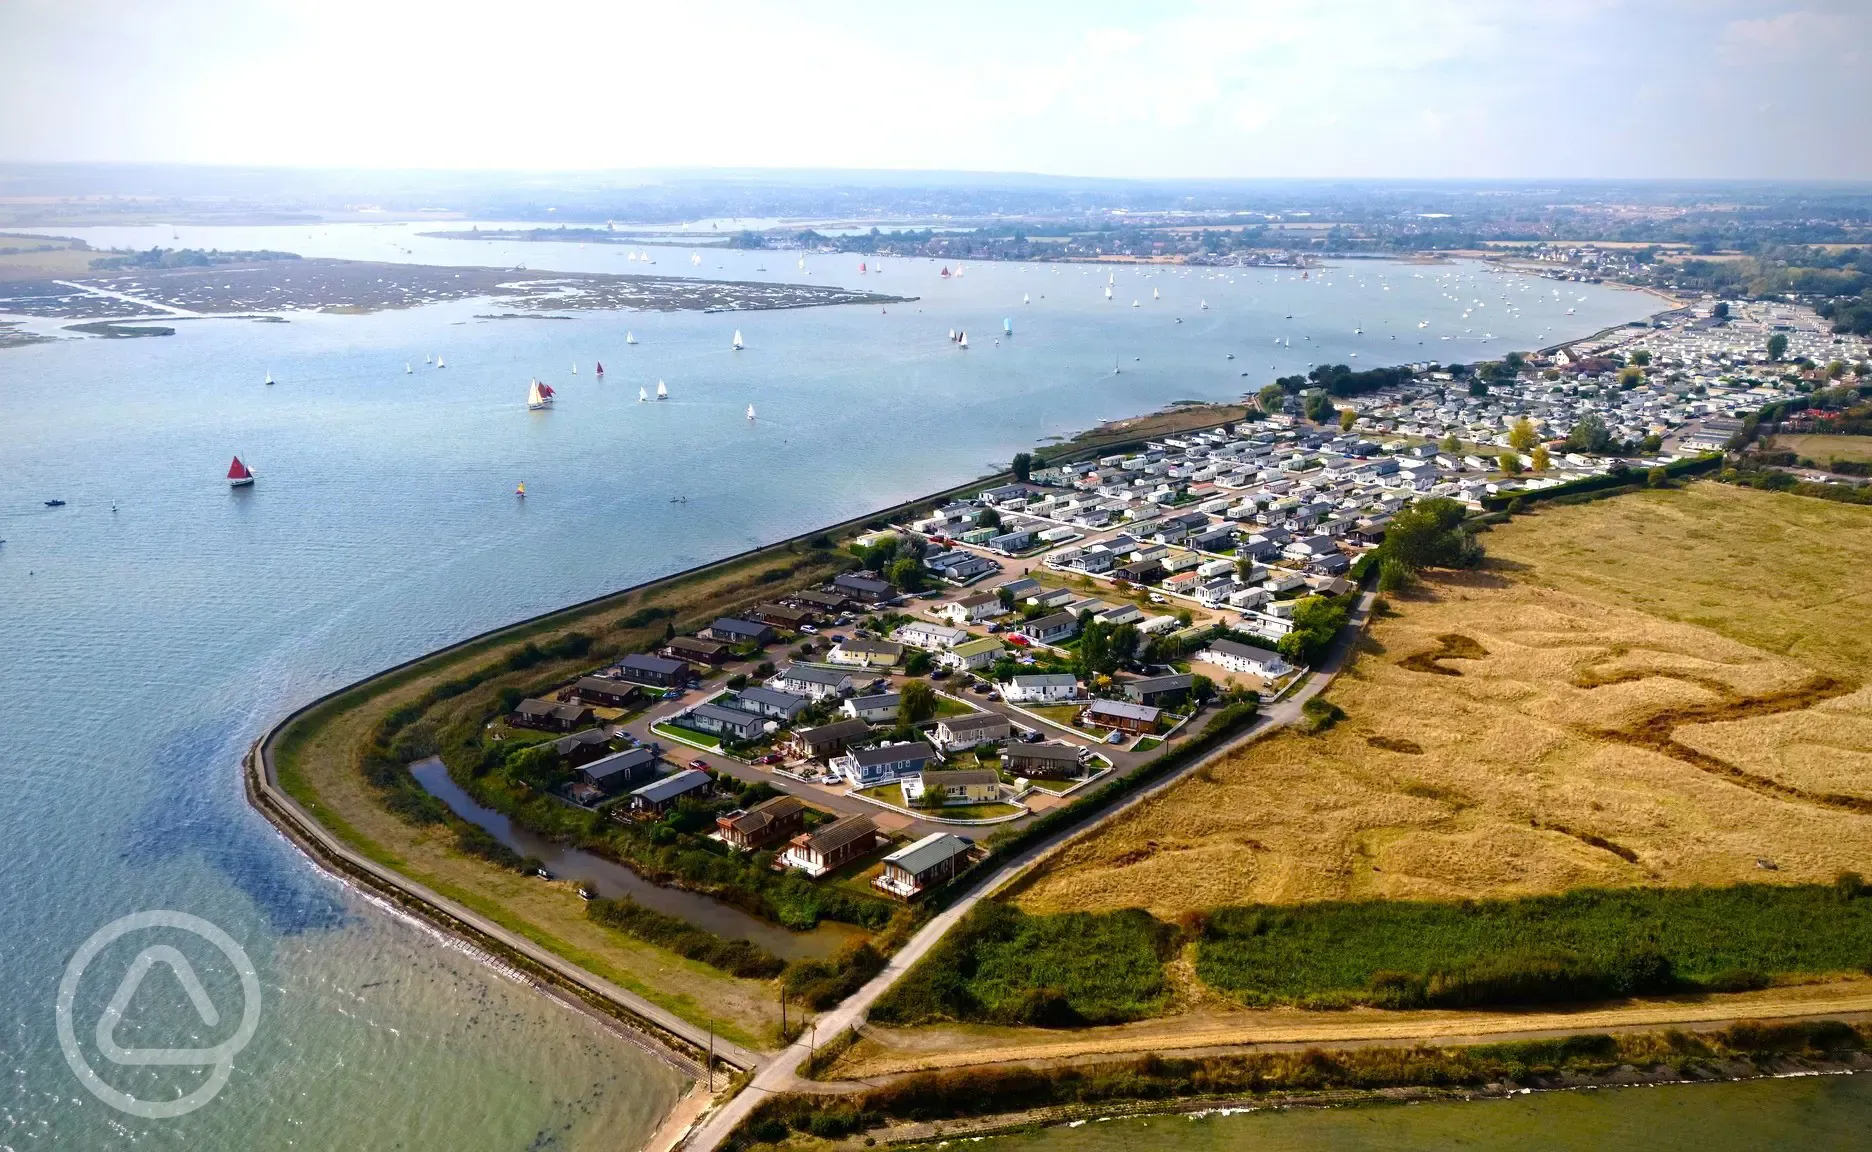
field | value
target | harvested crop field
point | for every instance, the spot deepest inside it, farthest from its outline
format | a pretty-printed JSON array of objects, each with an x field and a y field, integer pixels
[{"x": 1664, "y": 688}]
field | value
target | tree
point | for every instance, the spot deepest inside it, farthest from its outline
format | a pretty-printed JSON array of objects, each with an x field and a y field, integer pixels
[
  {"x": 1431, "y": 534},
  {"x": 1244, "y": 568},
  {"x": 1651, "y": 443},
  {"x": 1316, "y": 621},
  {"x": 905, "y": 574},
  {"x": 916, "y": 701},
  {"x": 1522, "y": 436},
  {"x": 1478, "y": 387},
  {"x": 1450, "y": 443},
  {"x": 1023, "y": 466},
  {"x": 1272, "y": 398},
  {"x": 1642, "y": 358},
  {"x": 1509, "y": 463},
  {"x": 1347, "y": 418},
  {"x": 1630, "y": 377},
  {"x": 1394, "y": 575},
  {"x": 1777, "y": 345},
  {"x": 1721, "y": 311},
  {"x": 1656, "y": 478},
  {"x": 1543, "y": 460},
  {"x": 1589, "y": 435},
  {"x": 917, "y": 663},
  {"x": 988, "y": 518},
  {"x": 1201, "y": 688},
  {"x": 1006, "y": 596},
  {"x": 1318, "y": 407}
]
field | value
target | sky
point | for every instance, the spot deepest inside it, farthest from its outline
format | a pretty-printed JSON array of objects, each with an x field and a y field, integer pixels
[{"x": 1488, "y": 89}]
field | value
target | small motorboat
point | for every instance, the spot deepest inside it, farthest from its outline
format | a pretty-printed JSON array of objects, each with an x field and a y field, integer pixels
[{"x": 55, "y": 503}]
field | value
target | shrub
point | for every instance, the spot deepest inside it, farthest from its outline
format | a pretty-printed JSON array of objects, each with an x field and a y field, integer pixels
[{"x": 736, "y": 957}]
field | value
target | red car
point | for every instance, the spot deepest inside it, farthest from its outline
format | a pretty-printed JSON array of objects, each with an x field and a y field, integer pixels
[{"x": 698, "y": 762}]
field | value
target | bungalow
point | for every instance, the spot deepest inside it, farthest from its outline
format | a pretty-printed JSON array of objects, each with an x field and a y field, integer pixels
[
  {"x": 838, "y": 843},
  {"x": 768, "y": 702},
  {"x": 1010, "y": 543},
  {"x": 732, "y": 723},
  {"x": 583, "y": 747},
  {"x": 960, "y": 567},
  {"x": 878, "y": 709},
  {"x": 654, "y": 670},
  {"x": 822, "y": 602},
  {"x": 1045, "y": 761},
  {"x": 929, "y": 637},
  {"x": 784, "y": 616},
  {"x": 777, "y": 818},
  {"x": 870, "y": 766},
  {"x": 659, "y": 796},
  {"x": 868, "y": 589},
  {"x": 1041, "y": 688},
  {"x": 1121, "y": 715},
  {"x": 601, "y": 692},
  {"x": 1246, "y": 658},
  {"x": 866, "y": 653},
  {"x": 827, "y": 740},
  {"x": 729, "y": 630},
  {"x": 1140, "y": 571},
  {"x": 1023, "y": 586},
  {"x": 550, "y": 716},
  {"x": 1050, "y": 629},
  {"x": 696, "y": 650},
  {"x": 612, "y": 773},
  {"x": 933, "y": 860},
  {"x": 975, "y": 728},
  {"x": 1122, "y": 614},
  {"x": 968, "y": 786},
  {"x": 1159, "y": 690},
  {"x": 1004, "y": 494},
  {"x": 812, "y": 682},
  {"x": 1053, "y": 599},
  {"x": 972, "y": 655},
  {"x": 971, "y": 609}
]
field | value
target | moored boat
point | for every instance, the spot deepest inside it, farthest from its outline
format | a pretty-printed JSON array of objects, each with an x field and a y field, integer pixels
[{"x": 239, "y": 475}]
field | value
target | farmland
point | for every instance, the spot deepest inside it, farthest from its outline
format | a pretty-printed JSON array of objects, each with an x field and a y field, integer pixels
[{"x": 1662, "y": 689}]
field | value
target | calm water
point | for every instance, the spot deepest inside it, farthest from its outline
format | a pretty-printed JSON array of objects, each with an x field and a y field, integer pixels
[
  {"x": 142, "y": 649},
  {"x": 1820, "y": 1113}
]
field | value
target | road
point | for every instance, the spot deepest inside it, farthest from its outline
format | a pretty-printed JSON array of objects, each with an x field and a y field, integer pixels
[{"x": 780, "y": 1074}]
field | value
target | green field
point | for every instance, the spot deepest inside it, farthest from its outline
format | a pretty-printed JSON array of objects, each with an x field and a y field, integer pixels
[
  {"x": 676, "y": 732},
  {"x": 1584, "y": 945},
  {"x": 1003, "y": 966}
]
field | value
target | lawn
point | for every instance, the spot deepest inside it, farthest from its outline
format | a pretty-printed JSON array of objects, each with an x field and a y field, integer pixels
[
  {"x": 948, "y": 707},
  {"x": 887, "y": 793},
  {"x": 1589, "y": 944},
  {"x": 1664, "y": 688},
  {"x": 1823, "y": 448},
  {"x": 679, "y": 733},
  {"x": 1148, "y": 744},
  {"x": 1061, "y": 714},
  {"x": 1002, "y": 966}
]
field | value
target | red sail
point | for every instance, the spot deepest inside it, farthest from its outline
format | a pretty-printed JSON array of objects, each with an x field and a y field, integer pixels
[
  {"x": 546, "y": 390},
  {"x": 601, "y": 367},
  {"x": 237, "y": 470}
]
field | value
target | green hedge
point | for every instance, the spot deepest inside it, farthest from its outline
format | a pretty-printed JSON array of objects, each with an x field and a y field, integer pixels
[{"x": 1694, "y": 466}]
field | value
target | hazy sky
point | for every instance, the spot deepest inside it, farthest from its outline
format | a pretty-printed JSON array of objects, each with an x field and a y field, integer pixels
[{"x": 1412, "y": 88}]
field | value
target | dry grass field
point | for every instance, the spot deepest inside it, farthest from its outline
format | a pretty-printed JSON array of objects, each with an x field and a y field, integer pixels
[
  {"x": 1824, "y": 448},
  {"x": 1664, "y": 688}
]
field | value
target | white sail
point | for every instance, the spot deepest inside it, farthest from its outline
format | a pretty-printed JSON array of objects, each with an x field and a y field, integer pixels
[
  {"x": 406, "y": 368},
  {"x": 269, "y": 378},
  {"x": 630, "y": 338},
  {"x": 575, "y": 367},
  {"x": 696, "y": 259},
  {"x": 439, "y": 363},
  {"x": 662, "y": 390},
  {"x": 1108, "y": 295},
  {"x": 535, "y": 398},
  {"x": 750, "y": 411},
  {"x": 642, "y": 396},
  {"x": 1007, "y": 326},
  {"x": 737, "y": 340},
  {"x": 1154, "y": 295},
  {"x": 1024, "y": 299},
  {"x": 963, "y": 340}
]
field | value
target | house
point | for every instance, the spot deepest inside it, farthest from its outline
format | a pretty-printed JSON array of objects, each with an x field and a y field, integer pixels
[
  {"x": 968, "y": 786},
  {"x": 838, "y": 843},
  {"x": 878, "y": 709},
  {"x": 828, "y": 739},
  {"x": 1122, "y": 614},
  {"x": 972, "y": 655},
  {"x": 1045, "y": 761},
  {"x": 976, "y": 728},
  {"x": 611, "y": 774},
  {"x": 931, "y": 861},
  {"x": 1041, "y": 688},
  {"x": 659, "y": 796},
  {"x": 971, "y": 609},
  {"x": 784, "y": 616},
  {"x": 1011, "y": 543},
  {"x": 550, "y": 716},
  {"x": 730, "y": 630},
  {"x": 1019, "y": 588},
  {"x": 821, "y": 602},
  {"x": 696, "y": 650},
  {"x": 1053, "y": 599},
  {"x": 867, "y": 589},
  {"x": 583, "y": 747},
  {"x": 601, "y": 692},
  {"x": 1121, "y": 715},
  {"x": 732, "y": 723},
  {"x": 929, "y": 637},
  {"x": 768, "y": 702},
  {"x": 866, "y": 653},
  {"x": 656, "y": 671},
  {"x": 1051, "y": 628},
  {"x": 870, "y": 766},
  {"x": 1140, "y": 571},
  {"x": 811, "y": 681},
  {"x": 960, "y": 567},
  {"x": 775, "y": 819},
  {"x": 1158, "y": 690},
  {"x": 1246, "y": 658}
]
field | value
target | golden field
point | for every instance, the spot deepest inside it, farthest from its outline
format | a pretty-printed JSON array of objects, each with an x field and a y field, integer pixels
[
  {"x": 1826, "y": 448},
  {"x": 1663, "y": 688}
]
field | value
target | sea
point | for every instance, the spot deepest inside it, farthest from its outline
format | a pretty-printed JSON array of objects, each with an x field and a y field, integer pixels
[{"x": 157, "y": 622}]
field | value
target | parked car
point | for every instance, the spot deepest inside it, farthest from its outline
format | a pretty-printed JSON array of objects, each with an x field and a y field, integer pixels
[
  {"x": 1032, "y": 737},
  {"x": 994, "y": 626},
  {"x": 940, "y": 674},
  {"x": 809, "y": 630},
  {"x": 698, "y": 762},
  {"x": 1115, "y": 738},
  {"x": 1159, "y": 598},
  {"x": 979, "y": 689}
]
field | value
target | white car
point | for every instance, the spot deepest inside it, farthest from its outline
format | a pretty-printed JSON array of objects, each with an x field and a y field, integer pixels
[{"x": 1158, "y": 598}]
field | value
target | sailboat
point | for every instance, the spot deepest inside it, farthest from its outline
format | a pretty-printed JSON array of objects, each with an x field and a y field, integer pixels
[
  {"x": 630, "y": 338},
  {"x": 1134, "y": 304},
  {"x": 1115, "y": 368},
  {"x": 439, "y": 363},
  {"x": 1108, "y": 291},
  {"x": 737, "y": 340},
  {"x": 539, "y": 396},
  {"x": 696, "y": 259},
  {"x": 662, "y": 391},
  {"x": 406, "y": 368},
  {"x": 1024, "y": 299},
  {"x": 239, "y": 475},
  {"x": 945, "y": 272},
  {"x": 750, "y": 411},
  {"x": 598, "y": 368},
  {"x": 575, "y": 367},
  {"x": 1007, "y": 326},
  {"x": 428, "y": 359},
  {"x": 1205, "y": 305},
  {"x": 269, "y": 378},
  {"x": 861, "y": 267},
  {"x": 952, "y": 335},
  {"x": 1154, "y": 295},
  {"x": 642, "y": 396},
  {"x": 962, "y": 341},
  {"x": 520, "y": 490}
]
